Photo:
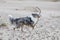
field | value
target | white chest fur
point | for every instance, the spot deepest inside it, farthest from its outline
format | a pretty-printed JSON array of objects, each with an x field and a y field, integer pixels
[{"x": 34, "y": 19}]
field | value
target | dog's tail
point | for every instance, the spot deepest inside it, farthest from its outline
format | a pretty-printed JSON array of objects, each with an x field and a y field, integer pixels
[{"x": 11, "y": 19}]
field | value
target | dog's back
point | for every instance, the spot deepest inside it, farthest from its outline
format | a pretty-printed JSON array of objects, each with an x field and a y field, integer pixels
[{"x": 25, "y": 20}]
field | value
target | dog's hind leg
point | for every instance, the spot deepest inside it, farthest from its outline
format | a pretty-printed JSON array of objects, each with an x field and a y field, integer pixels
[
  {"x": 20, "y": 25},
  {"x": 22, "y": 28},
  {"x": 16, "y": 27}
]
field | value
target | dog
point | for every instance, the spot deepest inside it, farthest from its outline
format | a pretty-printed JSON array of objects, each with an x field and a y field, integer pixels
[{"x": 20, "y": 22}]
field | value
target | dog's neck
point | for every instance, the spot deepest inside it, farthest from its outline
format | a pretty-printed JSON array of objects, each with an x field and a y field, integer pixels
[{"x": 34, "y": 19}]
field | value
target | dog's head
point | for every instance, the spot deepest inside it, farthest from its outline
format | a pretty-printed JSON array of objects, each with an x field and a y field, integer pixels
[{"x": 35, "y": 15}]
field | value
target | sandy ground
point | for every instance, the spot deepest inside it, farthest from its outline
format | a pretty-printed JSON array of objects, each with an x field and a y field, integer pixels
[{"x": 48, "y": 27}]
